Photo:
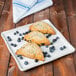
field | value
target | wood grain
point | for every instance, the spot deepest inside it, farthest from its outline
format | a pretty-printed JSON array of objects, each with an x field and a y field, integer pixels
[
  {"x": 6, "y": 24},
  {"x": 2, "y": 2},
  {"x": 58, "y": 17},
  {"x": 63, "y": 16},
  {"x": 71, "y": 20}
]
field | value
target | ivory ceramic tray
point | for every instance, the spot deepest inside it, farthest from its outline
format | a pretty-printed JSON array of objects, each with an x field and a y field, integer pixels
[{"x": 59, "y": 47}]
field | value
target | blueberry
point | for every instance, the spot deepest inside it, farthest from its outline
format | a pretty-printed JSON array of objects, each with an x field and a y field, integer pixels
[
  {"x": 51, "y": 43},
  {"x": 64, "y": 47},
  {"x": 54, "y": 40},
  {"x": 57, "y": 38},
  {"x": 48, "y": 55},
  {"x": 61, "y": 48},
  {"x": 23, "y": 38},
  {"x": 18, "y": 55},
  {"x": 24, "y": 33},
  {"x": 28, "y": 31},
  {"x": 19, "y": 40},
  {"x": 21, "y": 57},
  {"x": 9, "y": 39},
  {"x": 45, "y": 54},
  {"x": 42, "y": 44},
  {"x": 36, "y": 60},
  {"x": 48, "y": 35},
  {"x": 20, "y": 34},
  {"x": 14, "y": 33},
  {"x": 52, "y": 49},
  {"x": 15, "y": 45},
  {"x": 12, "y": 44},
  {"x": 17, "y": 32},
  {"x": 26, "y": 63}
]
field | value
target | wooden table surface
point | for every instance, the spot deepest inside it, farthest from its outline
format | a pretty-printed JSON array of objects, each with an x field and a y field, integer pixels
[{"x": 63, "y": 15}]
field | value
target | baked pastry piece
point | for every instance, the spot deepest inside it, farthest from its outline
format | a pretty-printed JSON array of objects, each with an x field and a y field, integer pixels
[
  {"x": 37, "y": 37},
  {"x": 31, "y": 50},
  {"x": 42, "y": 27}
]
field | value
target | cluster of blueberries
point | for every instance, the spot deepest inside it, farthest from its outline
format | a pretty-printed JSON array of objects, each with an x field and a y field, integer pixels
[
  {"x": 51, "y": 49},
  {"x": 20, "y": 56},
  {"x": 26, "y": 62},
  {"x": 19, "y": 39}
]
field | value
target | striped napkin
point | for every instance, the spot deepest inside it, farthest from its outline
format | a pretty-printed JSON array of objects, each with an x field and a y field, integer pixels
[{"x": 23, "y": 8}]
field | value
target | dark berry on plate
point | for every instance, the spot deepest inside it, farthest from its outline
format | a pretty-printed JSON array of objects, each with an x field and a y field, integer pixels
[
  {"x": 20, "y": 34},
  {"x": 36, "y": 60},
  {"x": 39, "y": 45},
  {"x": 52, "y": 49},
  {"x": 28, "y": 32},
  {"x": 48, "y": 35},
  {"x": 57, "y": 38},
  {"x": 45, "y": 54},
  {"x": 26, "y": 63},
  {"x": 19, "y": 40},
  {"x": 15, "y": 45},
  {"x": 54, "y": 40},
  {"x": 24, "y": 33},
  {"x": 61, "y": 48},
  {"x": 21, "y": 57},
  {"x": 64, "y": 47},
  {"x": 17, "y": 32},
  {"x": 43, "y": 44},
  {"x": 48, "y": 55},
  {"x": 9, "y": 39},
  {"x": 23, "y": 38},
  {"x": 12, "y": 44},
  {"x": 14, "y": 33},
  {"x": 51, "y": 43}
]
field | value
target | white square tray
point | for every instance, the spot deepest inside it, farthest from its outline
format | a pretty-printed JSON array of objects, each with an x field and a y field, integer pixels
[{"x": 57, "y": 53}]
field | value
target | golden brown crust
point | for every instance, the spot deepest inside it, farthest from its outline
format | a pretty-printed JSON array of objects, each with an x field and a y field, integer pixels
[
  {"x": 42, "y": 27},
  {"x": 31, "y": 50},
  {"x": 37, "y": 37}
]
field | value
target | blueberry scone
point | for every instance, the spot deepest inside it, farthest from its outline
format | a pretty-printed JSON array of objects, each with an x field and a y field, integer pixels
[
  {"x": 42, "y": 27},
  {"x": 31, "y": 50},
  {"x": 37, "y": 37}
]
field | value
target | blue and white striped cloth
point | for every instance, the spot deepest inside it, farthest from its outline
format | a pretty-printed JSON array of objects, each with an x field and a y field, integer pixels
[{"x": 23, "y": 8}]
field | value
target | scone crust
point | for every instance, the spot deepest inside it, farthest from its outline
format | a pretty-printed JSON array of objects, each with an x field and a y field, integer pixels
[
  {"x": 31, "y": 50},
  {"x": 37, "y": 37},
  {"x": 42, "y": 27}
]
